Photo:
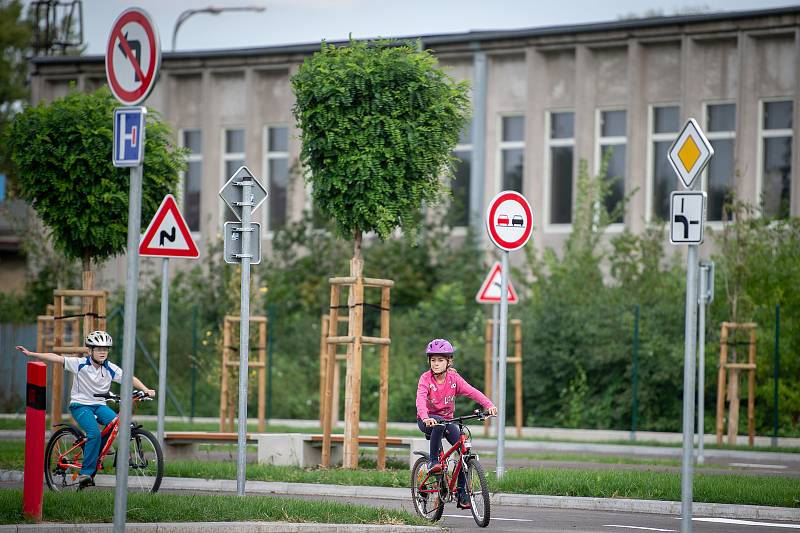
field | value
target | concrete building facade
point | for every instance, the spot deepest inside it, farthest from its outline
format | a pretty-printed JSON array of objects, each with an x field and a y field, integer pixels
[{"x": 544, "y": 99}]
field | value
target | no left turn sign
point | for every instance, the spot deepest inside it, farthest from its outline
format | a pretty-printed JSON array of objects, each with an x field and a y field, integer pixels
[
  {"x": 133, "y": 55},
  {"x": 509, "y": 220}
]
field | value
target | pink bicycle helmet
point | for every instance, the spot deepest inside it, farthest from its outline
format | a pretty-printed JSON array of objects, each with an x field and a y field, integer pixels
[{"x": 440, "y": 347}]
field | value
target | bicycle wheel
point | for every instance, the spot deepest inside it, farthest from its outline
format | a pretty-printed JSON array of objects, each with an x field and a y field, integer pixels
[
  {"x": 145, "y": 463},
  {"x": 478, "y": 491},
  {"x": 63, "y": 459},
  {"x": 425, "y": 492}
]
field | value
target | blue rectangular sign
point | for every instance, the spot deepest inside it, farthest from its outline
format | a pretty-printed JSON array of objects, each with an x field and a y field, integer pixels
[{"x": 129, "y": 136}]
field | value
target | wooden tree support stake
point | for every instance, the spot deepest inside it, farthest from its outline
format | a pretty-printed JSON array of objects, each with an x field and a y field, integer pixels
[
  {"x": 65, "y": 320},
  {"x": 354, "y": 341},
  {"x": 516, "y": 324},
  {"x": 230, "y": 368},
  {"x": 728, "y": 382}
]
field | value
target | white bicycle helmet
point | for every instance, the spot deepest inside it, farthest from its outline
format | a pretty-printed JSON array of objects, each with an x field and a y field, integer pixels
[{"x": 98, "y": 339}]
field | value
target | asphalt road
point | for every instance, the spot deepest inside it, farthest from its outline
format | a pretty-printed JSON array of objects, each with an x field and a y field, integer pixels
[{"x": 537, "y": 520}]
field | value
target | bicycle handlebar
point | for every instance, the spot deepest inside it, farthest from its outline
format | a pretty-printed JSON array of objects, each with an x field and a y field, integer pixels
[
  {"x": 480, "y": 415},
  {"x": 137, "y": 396}
]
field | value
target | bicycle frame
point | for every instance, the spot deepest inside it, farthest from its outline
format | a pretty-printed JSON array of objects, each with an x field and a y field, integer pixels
[
  {"x": 443, "y": 456},
  {"x": 112, "y": 428}
]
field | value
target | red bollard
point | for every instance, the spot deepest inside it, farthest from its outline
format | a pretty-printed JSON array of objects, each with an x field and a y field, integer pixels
[{"x": 33, "y": 480}]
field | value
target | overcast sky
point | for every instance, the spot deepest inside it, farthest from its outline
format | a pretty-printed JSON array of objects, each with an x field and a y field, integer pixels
[{"x": 309, "y": 21}]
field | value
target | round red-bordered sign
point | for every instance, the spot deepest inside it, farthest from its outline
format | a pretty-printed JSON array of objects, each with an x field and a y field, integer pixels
[
  {"x": 129, "y": 82},
  {"x": 509, "y": 220}
]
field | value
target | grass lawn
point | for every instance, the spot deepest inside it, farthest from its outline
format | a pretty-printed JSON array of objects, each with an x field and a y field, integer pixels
[
  {"x": 98, "y": 506},
  {"x": 711, "y": 488}
]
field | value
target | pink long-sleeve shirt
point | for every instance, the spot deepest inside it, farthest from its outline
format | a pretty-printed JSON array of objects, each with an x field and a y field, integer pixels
[{"x": 439, "y": 398}]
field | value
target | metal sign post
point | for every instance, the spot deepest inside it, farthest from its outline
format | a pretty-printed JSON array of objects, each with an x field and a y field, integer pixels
[
  {"x": 243, "y": 193},
  {"x": 705, "y": 297},
  {"x": 688, "y": 155},
  {"x": 166, "y": 236},
  {"x": 489, "y": 293},
  {"x": 495, "y": 354},
  {"x": 133, "y": 55},
  {"x": 509, "y": 222}
]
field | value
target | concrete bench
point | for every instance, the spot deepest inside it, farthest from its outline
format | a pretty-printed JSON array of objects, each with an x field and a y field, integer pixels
[
  {"x": 299, "y": 449},
  {"x": 184, "y": 444}
]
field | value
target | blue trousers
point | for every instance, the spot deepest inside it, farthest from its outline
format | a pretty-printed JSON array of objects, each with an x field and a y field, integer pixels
[
  {"x": 451, "y": 433},
  {"x": 87, "y": 417}
]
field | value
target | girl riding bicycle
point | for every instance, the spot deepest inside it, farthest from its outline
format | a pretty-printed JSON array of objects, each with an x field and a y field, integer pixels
[
  {"x": 93, "y": 375},
  {"x": 436, "y": 393}
]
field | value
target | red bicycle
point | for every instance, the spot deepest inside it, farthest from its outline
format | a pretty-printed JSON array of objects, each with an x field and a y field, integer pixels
[
  {"x": 64, "y": 454},
  {"x": 431, "y": 491}
]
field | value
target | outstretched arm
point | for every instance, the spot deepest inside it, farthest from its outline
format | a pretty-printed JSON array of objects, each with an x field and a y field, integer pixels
[
  {"x": 49, "y": 357},
  {"x": 139, "y": 385}
]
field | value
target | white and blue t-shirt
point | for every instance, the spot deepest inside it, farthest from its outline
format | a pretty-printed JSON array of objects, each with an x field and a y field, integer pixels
[{"x": 91, "y": 379}]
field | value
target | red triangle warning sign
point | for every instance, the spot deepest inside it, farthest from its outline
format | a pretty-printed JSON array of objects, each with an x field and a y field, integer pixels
[
  {"x": 168, "y": 235},
  {"x": 490, "y": 292}
]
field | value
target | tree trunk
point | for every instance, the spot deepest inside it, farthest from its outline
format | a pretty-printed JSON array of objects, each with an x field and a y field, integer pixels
[{"x": 357, "y": 245}]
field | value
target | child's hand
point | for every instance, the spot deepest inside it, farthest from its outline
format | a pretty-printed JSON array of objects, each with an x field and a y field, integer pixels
[
  {"x": 151, "y": 393},
  {"x": 24, "y": 350},
  {"x": 492, "y": 411},
  {"x": 429, "y": 421}
]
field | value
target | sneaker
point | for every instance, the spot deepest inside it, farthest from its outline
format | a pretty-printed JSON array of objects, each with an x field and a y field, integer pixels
[
  {"x": 434, "y": 468},
  {"x": 463, "y": 501},
  {"x": 85, "y": 481}
]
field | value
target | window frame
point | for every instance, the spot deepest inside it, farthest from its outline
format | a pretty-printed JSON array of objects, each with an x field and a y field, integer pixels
[
  {"x": 190, "y": 158},
  {"x": 464, "y": 147},
  {"x": 718, "y": 136},
  {"x": 764, "y": 134},
  {"x": 554, "y": 143},
  {"x": 266, "y": 157},
  {"x": 224, "y": 158},
  {"x": 653, "y": 138},
  {"x": 615, "y": 140},
  {"x": 508, "y": 145}
]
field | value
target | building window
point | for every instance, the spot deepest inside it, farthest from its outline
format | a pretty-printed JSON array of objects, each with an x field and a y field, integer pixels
[
  {"x": 776, "y": 158},
  {"x": 612, "y": 142},
  {"x": 561, "y": 147},
  {"x": 192, "y": 177},
  {"x": 276, "y": 155},
  {"x": 232, "y": 159},
  {"x": 458, "y": 213},
  {"x": 665, "y": 124},
  {"x": 721, "y": 133},
  {"x": 512, "y": 148}
]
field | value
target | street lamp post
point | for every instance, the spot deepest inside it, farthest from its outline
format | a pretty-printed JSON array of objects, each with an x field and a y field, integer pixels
[{"x": 212, "y": 10}]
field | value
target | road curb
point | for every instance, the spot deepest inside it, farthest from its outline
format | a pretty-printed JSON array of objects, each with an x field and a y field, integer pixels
[
  {"x": 214, "y": 527},
  {"x": 709, "y": 510}
]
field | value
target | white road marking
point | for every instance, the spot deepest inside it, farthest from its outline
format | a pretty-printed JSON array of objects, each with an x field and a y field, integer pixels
[
  {"x": 746, "y": 522},
  {"x": 756, "y": 465},
  {"x": 493, "y": 518},
  {"x": 639, "y": 527}
]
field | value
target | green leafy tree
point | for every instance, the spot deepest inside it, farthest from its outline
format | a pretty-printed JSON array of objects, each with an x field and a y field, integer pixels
[
  {"x": 62, "y": 152},
  {"x": 378, "y": 124},
  {"x": 15, "y": 36}
]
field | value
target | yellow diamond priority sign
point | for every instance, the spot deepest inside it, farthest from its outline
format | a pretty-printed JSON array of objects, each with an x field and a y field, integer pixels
[{"x": 690, "y": 153}]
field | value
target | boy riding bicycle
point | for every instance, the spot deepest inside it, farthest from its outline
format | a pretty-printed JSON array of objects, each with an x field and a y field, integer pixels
[
  {"x": 436, "y": 393},
  {"x": 93, "y": 375}
]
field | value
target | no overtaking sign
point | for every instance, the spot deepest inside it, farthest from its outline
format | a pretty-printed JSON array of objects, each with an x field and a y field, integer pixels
[{"x": 509, "y": 220}]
